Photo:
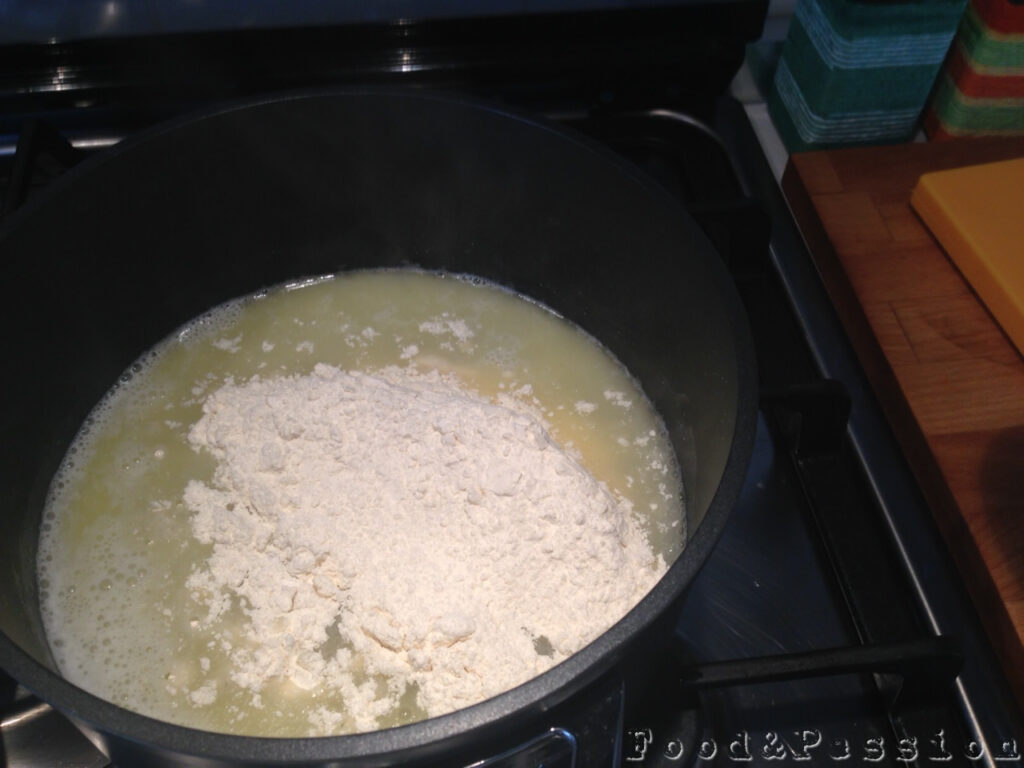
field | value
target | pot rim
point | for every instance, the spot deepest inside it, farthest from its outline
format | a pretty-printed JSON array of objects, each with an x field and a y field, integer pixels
[{"x": 536, "y": 694}]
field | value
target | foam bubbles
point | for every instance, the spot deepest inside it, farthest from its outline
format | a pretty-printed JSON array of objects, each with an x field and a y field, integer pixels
[{"x": 115, "y": 540}]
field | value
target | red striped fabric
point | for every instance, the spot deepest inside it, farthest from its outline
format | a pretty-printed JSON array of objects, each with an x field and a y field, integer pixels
[
  {"x": 978, "y": 85},
  {"x": 933, "y": 127},
  {"x": 1001, "y": 16}
]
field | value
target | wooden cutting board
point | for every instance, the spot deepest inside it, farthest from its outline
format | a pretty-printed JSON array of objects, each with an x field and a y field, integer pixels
[{"x": 949, "y": 380}]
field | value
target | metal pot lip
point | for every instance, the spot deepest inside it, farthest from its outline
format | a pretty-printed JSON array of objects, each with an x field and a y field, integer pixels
[
  {"x": 540, "y": 692},
  {"x": 391, "y": 744}
]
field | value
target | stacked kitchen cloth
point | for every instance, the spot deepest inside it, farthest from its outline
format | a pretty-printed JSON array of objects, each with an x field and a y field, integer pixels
[
  {"x": 981, "y": 89},
  {"x": 859, "y": 72}
]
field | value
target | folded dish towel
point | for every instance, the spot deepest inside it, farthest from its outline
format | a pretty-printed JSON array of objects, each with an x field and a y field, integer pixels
[
  {"x": 981, "y": 89},
  {"x": 859, "y": 72}
]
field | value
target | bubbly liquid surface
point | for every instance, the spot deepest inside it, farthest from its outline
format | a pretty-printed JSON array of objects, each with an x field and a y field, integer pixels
[{"x": 116, "y": 546}]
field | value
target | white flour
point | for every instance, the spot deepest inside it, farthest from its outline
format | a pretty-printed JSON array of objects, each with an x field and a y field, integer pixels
[{"x": 387, "y": 530}]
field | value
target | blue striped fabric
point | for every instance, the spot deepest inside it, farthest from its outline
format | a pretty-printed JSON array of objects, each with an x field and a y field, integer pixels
[
  {"x": 859, "y": 73},
  {"x": 841, "y": 127},
  {"x": 869, "y": 51}
]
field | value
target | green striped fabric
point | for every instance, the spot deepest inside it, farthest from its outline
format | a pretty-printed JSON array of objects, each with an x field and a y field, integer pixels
[
  {"x": 962, "y": 115},
  {"x": 988, "y": 50}
]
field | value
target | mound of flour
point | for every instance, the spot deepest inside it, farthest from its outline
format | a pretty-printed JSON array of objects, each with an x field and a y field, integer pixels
[{"x": 393, "y": 530}]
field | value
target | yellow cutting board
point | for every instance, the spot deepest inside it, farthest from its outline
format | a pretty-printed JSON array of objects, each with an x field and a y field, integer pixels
[{"x": 977, "y": 214}]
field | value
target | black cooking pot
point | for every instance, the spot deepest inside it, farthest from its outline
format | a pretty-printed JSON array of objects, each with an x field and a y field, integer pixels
[{"x": 128, "y": 247}]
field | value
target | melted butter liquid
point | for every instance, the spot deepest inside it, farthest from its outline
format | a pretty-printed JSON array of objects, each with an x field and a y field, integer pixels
[{"x": 116, "y": 546}]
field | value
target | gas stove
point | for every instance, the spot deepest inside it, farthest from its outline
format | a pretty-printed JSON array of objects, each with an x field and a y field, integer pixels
[{"x": 829, "y": 624}]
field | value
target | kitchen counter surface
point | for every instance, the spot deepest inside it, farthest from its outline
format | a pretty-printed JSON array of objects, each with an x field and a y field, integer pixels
[{"x": 950, "y": 382}]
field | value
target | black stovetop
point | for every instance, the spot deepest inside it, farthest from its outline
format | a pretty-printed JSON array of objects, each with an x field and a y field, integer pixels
[
  {"x": 829, "y": 621},
  {"x": 830, "y": 546}
]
